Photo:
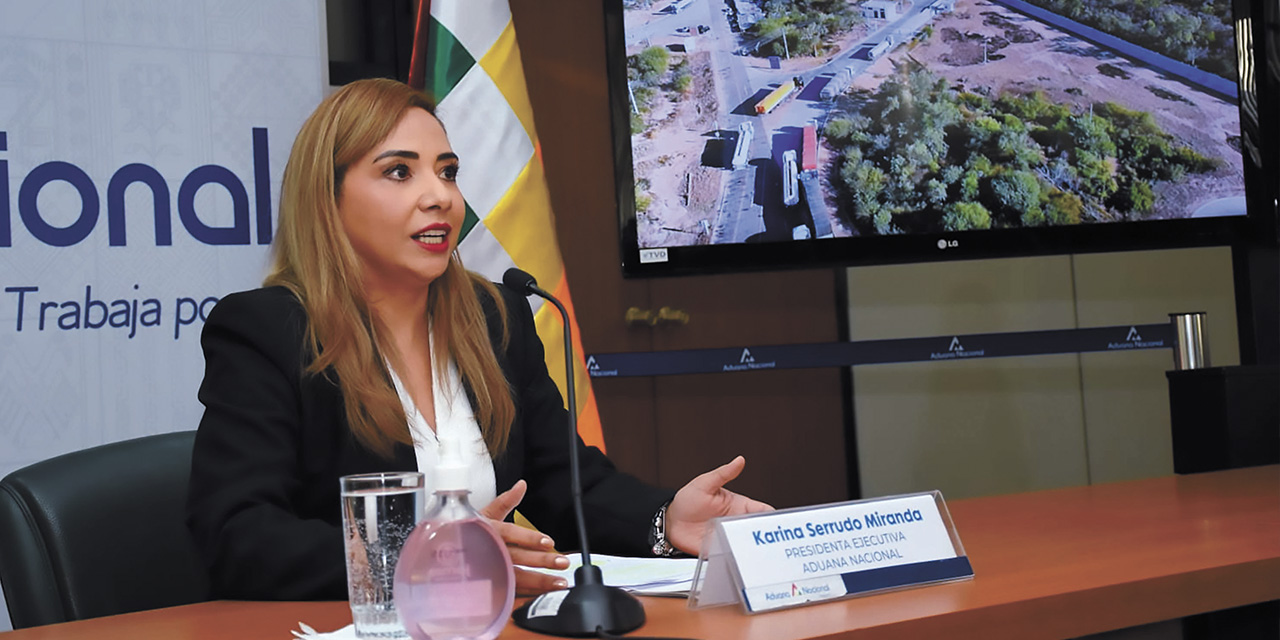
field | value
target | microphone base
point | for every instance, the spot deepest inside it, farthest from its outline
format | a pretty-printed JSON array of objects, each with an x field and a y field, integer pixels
[{"x": 585, "y": 608}]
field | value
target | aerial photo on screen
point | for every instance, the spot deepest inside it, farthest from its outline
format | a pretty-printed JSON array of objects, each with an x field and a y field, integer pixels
[{"x": 779, "y": 120}]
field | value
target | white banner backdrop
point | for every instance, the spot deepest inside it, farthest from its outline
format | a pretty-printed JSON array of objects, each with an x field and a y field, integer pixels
[{"x": 142, "y": 144}]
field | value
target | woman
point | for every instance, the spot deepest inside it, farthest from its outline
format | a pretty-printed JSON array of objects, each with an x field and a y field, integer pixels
[{"x": 370, "y": 335}]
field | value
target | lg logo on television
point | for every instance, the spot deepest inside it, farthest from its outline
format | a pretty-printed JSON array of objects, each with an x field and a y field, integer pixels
[
  {"x": 90, "y": 204},
  {"x": 948, "y": 244}
]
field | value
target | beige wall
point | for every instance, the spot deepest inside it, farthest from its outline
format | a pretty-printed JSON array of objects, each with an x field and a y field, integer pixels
[{"x": 983, "y": 427}]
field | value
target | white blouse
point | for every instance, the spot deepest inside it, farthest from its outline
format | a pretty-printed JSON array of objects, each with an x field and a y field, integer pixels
[{"x": 454, "y": 418}]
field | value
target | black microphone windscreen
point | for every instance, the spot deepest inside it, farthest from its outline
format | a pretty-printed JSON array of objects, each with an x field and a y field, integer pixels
[{"x": 519, "y": 281}]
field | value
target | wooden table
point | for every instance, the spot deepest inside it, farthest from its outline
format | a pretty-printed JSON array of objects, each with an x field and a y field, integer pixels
[{"x": 1049, "y": 564}]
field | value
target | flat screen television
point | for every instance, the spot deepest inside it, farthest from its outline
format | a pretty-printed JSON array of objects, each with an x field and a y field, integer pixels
[{"x": 766, "y": 134}]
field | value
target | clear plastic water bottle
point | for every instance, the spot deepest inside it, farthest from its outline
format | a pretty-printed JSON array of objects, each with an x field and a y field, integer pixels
[{"x": 454, "y": 579}]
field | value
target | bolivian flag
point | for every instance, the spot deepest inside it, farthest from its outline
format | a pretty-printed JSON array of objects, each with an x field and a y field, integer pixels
[{"x": 470, "y": 64}]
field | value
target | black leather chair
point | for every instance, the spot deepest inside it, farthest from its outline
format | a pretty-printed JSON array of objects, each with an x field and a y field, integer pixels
[{"x": 99, "y": 532}]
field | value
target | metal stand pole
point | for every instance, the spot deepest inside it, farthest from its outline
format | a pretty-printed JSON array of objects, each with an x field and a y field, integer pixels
[{"x": 1190, "y": 349}]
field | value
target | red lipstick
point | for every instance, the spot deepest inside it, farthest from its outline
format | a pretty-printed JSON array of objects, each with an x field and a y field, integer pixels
[{"x": 434, "y": 237}]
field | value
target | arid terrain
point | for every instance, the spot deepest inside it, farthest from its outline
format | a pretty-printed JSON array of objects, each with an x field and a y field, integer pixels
[{"x": 668, "y": 154}]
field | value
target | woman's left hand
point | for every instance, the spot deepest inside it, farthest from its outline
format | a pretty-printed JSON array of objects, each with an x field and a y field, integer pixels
[
  {"x": 703, "y": 500},
  {"x": 528, "y": 548}
]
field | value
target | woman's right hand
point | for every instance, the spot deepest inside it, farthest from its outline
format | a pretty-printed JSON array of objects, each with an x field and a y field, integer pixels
[{"x": 527, "y": 547}]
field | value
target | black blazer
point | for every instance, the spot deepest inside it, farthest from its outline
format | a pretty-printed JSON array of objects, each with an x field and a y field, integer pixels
[{"x": 263, "y": 505}]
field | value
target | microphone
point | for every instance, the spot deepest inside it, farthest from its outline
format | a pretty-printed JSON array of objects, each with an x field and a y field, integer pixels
[
  {"x": 590, "y": 606},
  {"x": 523, "y": 283}
]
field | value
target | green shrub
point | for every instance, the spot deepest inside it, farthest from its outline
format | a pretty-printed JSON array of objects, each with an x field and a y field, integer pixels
[{"x": 963, "y": 216}]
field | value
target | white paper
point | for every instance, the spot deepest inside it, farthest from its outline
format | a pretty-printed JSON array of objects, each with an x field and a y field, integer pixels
[
  {"x": 644, "y": 576},
  {"x": 306, "y": 632}
]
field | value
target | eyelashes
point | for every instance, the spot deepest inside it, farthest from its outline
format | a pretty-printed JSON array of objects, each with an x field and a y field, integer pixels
[
  {"x": 397, "y": 172},
  {"x": 401, "y": 172}
]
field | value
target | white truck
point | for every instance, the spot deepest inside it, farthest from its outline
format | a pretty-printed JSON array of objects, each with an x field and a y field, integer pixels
[
  {"x": 742, "y": 150},
  {"x": 790, "y": 179}
]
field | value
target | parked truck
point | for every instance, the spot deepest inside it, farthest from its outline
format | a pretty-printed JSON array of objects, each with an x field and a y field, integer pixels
[
  {"x": 817, "y": 206},
  {"x": 790, "y": 179},
  {"x": 837, "y": 84},
  {"x": 809, "y": 150},
  {"x": 742, "y": 150},
  {"x": 776, "y": 96}
]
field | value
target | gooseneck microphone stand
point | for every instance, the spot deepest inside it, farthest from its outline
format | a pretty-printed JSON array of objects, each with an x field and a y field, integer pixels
[{"x": 590, "y": 606}]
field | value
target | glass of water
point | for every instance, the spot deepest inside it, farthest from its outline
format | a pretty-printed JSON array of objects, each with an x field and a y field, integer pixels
[{"x": 379, "y": 510}]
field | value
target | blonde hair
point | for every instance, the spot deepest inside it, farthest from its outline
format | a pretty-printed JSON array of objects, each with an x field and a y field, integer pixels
[{"x": 314, "y": 259}]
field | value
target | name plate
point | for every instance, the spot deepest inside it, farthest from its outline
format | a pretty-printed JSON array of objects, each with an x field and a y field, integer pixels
[{"x": 797, "y": 556}]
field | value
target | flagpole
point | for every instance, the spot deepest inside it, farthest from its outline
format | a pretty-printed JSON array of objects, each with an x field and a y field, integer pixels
[{"x": 418, "y": 61}]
